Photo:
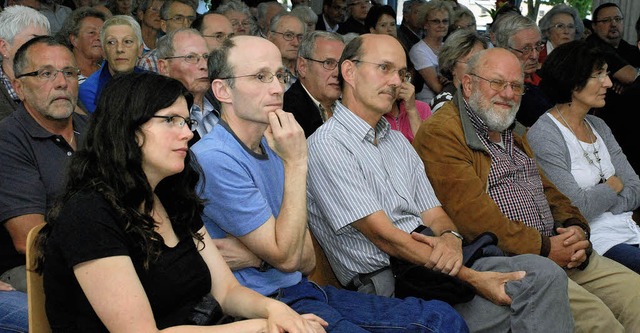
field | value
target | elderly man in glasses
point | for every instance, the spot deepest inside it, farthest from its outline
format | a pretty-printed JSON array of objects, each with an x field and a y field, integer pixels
[
  {"x": 312, "y": 98},
  {"x": 523, "y": 38},
  {"x": 483, "y": 171},
  {"x": 37, "y": 141},
  {"x": 255, "y": 165},
  {"x": 286, "y": 31},
  {"x": 183, "y": 55},
  {"x": 174, "y": 15}
]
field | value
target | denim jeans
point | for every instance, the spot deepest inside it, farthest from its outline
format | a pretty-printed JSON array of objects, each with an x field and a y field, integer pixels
[
  {"x": 352, "y": 312},
  {"x": 626, "y": 254},
  {"x": 13, "y": 312}
]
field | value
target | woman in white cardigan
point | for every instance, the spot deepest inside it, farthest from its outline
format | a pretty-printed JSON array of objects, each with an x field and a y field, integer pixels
[{"x": 579, "y": 154}]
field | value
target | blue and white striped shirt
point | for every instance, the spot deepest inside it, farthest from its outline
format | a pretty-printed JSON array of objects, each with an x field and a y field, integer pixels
[{"x": 351, "y": 177}]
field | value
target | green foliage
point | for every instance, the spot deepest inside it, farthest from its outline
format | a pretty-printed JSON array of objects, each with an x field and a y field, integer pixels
[{"x": 583, "y": 6}]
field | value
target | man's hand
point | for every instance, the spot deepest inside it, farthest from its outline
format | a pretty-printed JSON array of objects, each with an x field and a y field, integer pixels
[
  {"x": 490, "y": 285},
  {"x": 236, "y": 254},
  {"x": 285, "y": 136},
  {"x": 446, "y": 256},
  {"x": 568, "y": 248},
  {"x": 6, "y": 287}
]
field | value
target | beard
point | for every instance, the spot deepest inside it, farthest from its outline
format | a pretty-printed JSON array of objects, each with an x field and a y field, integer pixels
[{"x": 496, "y": 121}]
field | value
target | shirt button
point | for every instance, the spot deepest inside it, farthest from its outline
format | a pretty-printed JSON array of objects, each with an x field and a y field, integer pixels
[
  {"x": 57, "y": 139},
  {"x": 69, "y": 153}
]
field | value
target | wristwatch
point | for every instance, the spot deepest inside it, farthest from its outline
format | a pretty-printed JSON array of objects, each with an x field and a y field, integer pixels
[{"x": 455, "y": 233}]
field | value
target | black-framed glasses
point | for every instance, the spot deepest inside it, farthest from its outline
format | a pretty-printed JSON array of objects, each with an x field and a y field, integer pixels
[
  {"x": 528, "y": 49},
  {"x": 608, "y": 20},
  {"x": 264, "y": 77},
  {"x": 219, "y": 36},
  {"x": 181, "y": 18},
  {"x": 192, "y": 58},
  {"x": 328, "y": 64},
  {"x": 179, "y": 121},
  {"x": 388, "y": 69},
  {"x": 289, "y": 35},
  {"x": 562, "y": 26},
  {"x": 50, "y": 73},
  {"x": 236, "y": 24},
  {"x": 500, "y": 85},
  {"x": 438, "y": 22}
]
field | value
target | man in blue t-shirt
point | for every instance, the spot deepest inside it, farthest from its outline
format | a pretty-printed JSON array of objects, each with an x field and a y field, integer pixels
[{"x": 255, "y": 166}]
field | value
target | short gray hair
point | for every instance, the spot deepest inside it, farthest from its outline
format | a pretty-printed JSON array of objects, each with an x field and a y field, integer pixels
[
  {"x": 308, "y": 44},
  {"x": 121, "y": 20},
  {"x": 456, "y": 46},
  {"x": 73, "y": 22},
  {"x": 305, "y": 14},
  {"x": 263, "y": 7},
  {"x": 407, "y": 6},
  {"x": 15, "y": 19},
  {"x": 509, "y": 25},
  {"x": 545, "y": 21},
  {"x": 165, "y": 43},
  {"x": 276, "y": 20}
]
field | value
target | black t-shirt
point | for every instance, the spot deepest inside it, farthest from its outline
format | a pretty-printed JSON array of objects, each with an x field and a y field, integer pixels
[{"x": 88, "y": 228}]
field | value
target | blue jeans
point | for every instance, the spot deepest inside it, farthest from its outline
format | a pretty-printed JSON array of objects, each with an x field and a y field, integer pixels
[
  {"x": 626, "y": 254},
  {"x": 352, "y": 312},
  {"x": 13, "y": 312}
]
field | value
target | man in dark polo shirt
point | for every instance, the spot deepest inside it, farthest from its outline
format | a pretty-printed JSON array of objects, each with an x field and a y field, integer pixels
[{"x": 36, "y": 142}]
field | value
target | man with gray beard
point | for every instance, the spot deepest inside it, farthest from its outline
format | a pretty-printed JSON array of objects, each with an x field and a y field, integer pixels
[{"x": 483, "y": 172}]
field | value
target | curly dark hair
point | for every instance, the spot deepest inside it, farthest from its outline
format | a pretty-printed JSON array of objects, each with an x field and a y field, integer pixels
[{"x": 110, "y": 163}]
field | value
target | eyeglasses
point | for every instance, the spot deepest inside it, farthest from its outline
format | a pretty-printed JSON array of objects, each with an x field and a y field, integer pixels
[
  {"x": 289, "y": 35},
  {"x": 329, "y": 64},
  {"x": 601, "y": 76},
  {"x": 608, "y": 20},
  {"x": 179, "y": 121},
  {"x": 387, "y": 69},
  {"x": 181, "y": 18},
  {"x": 467, "y": 26},
  {"x": 264, "y": 77},
  {"x": 50, "y": 73},
  {"x": 528, "y": 49},
  {"x": 438, "y": 22},
  {"x": 219, "y": 36},
  {"x": 235, "y": 23},
  {"x": 191, "y": 58},
  {"x": 562, "y": 26},
  {"x": 500, "y": 85},
  {"x": 339, "y": 8}
]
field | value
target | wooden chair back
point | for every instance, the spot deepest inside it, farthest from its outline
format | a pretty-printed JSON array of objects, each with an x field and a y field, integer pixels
[{"x": 38, "y": 322}]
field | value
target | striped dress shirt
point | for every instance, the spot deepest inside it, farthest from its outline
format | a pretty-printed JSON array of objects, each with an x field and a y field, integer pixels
[{"x": 356, "y": 170}]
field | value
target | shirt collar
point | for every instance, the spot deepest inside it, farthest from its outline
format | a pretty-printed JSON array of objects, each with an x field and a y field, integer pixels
[{"x": 358, "y": 126}]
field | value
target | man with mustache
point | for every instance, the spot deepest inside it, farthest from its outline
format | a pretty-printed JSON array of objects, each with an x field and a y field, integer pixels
[
  {"x": 183, "y": 55},
  {"x": 367, "y": 191},
  {"x": 37, "y": 141},
  {"x": 311, "y": 99},
  {"x": 483, "y": 172}
]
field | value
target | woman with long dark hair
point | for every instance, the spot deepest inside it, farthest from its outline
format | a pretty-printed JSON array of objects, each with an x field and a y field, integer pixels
[{"x": 125, "y": 249}]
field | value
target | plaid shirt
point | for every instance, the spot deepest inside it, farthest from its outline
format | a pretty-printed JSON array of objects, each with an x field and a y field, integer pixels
[
  {"x": 514, "y": 180},
  {"x": 7, "y": 84},
  {"x": 149, "y": 61}
]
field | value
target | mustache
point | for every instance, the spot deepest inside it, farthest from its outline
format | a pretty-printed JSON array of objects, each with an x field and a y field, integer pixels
[{"x": 391, "y": 90}]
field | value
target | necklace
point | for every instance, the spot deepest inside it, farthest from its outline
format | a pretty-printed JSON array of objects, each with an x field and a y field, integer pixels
[{"x": 591, "y": 161}]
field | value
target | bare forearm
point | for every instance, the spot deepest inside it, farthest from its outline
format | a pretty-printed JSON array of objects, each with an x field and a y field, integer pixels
[
  {"x": 414, "y": 117},
  {"x": 291, "y": 223}
]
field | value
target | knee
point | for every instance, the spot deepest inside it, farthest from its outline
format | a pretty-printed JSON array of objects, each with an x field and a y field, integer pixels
[
  {"x": 542, "y": 271},
  {"x": 436, "y": 316}
]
